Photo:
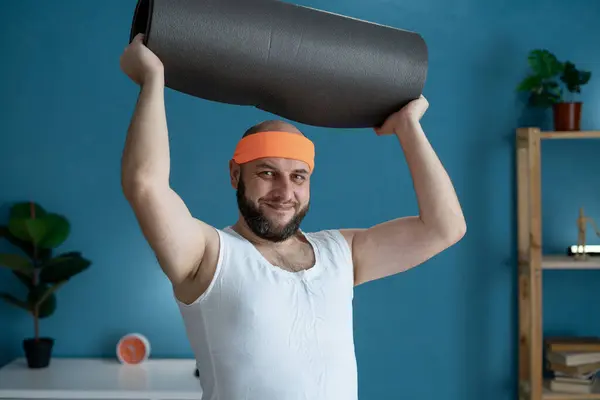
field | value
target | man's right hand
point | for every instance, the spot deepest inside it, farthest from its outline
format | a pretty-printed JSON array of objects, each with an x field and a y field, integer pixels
[{"x": 139, "y": 62}]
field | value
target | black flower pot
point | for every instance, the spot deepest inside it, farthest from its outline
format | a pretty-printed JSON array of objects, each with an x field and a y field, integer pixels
[{"x": 38, "y": 352}]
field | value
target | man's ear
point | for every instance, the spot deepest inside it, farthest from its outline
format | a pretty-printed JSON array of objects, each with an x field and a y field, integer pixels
[{"x": 234, "y": 173}]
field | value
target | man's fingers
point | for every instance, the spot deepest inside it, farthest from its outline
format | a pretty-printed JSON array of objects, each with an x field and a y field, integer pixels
[
  {"x": 386, "y": 128},
  {"x": 139, "y": 38}
]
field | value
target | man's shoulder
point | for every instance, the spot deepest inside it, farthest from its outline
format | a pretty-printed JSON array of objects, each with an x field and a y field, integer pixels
[
  {"x": 346, "y": 233},
  {"x": 339, "y": 235}
]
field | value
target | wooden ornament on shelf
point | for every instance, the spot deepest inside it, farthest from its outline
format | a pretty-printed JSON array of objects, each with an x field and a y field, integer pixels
[{"x": 582, "y": 220}]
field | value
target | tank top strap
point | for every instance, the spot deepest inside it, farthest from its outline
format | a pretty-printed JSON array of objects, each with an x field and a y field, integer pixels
[{"x": 334, "y": 248}]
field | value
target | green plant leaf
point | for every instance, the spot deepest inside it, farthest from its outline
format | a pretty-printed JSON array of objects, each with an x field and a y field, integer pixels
[
  {"x": 546, "y": 95},
  {"x": 18, "y": 228},
  {"x": 530, "y": 83},
  {"x": 544, "y": 64},
  {"x": 6, "y": 234},
  {"x": 570, "y": 77},
  {"x": 544, "y": 100},
  {"x": 47, "y": 231},
  {"x": 24, "y": 210},
  {"x": 58, "y": 229},
  {"x": 20, "y": 213},
  {"x": 16, "y": 263},
  {"x": 48, "y": 307},
  {"x": 25, "y": 246},
  {"x": 44, "y": 297},
  {"x": 574, "y": 78},
  {"x": 50, "y": 291},
  {"x": 35, "y": 294},
  {"x": 36, "y": 229},
  {"x": 63, "y": 267},
  {"x": 585, "y": 77},
  {"x": 9, "y": 298}
]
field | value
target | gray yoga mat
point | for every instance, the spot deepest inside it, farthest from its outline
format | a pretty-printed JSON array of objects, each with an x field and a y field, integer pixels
[{"x": 306, "y": 65}]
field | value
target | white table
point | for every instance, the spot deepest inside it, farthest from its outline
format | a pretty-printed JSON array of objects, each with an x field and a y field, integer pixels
[{"x": 104, "y": 379}]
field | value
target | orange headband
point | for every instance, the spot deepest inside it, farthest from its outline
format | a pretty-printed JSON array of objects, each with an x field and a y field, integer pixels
[{"x": 275, "y": 144}]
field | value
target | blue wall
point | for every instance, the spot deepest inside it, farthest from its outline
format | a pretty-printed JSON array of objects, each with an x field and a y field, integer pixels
[{"x": 445, "y": 329}]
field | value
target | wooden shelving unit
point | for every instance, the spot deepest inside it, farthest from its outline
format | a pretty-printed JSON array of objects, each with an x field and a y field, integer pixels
[{"x": 531, "y": 263}]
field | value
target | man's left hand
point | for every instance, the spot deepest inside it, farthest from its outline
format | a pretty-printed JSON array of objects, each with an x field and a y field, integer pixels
[{"x": 409, "y": 114}]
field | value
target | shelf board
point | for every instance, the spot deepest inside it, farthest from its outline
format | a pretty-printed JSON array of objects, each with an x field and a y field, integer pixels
[
  {"x": 548, "y": 394},
  {"x": 567, "y": 262},
  {"x": 570, "y": 135}
]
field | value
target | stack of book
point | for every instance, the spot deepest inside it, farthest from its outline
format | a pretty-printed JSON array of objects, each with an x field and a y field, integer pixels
[{"x": 574, "y": 362}]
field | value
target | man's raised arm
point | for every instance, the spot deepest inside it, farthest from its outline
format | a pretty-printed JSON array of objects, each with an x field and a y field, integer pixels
[
  {"x": 400, "y": 244},
  {"x": 176, "y": 237}
]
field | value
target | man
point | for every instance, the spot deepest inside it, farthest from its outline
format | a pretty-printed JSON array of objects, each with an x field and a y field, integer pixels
[{"x": 268, "y": 307}]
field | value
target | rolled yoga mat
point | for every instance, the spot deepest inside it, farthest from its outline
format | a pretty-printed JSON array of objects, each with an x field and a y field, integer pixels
[{"x": 302, "y": 64}]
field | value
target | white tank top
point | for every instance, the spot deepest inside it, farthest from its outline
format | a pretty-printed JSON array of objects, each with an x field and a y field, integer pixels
[{"x": 260, "y": 332}]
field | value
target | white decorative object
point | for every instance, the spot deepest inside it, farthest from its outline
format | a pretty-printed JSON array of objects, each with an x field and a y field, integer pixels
[
  {"x": 133, "y": 348},
  {"x": 101, "y": 379}
]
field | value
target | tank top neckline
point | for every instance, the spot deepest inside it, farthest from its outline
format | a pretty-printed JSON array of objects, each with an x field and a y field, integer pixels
[{"x": 303, "y": 274}]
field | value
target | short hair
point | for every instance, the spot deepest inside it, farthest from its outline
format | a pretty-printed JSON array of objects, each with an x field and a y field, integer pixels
[
  {"x": 252, "y": 130},
  {"x": 263, "y": 126}
]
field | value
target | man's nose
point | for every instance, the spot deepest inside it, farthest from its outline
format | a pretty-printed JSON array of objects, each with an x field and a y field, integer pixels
[{"x": 284, "y": 190}]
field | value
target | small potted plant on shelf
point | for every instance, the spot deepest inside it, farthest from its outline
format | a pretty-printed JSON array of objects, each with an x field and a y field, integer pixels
[
  {"x": 546, "y": 84},
  {"x": 37, "y": 233}
]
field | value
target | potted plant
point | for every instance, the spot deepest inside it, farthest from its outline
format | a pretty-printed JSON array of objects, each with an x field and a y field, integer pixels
[
  {"x": 546, "y": 85},
  {"x": 567, "y": 114},
  {"x": 37, "y": 233}
]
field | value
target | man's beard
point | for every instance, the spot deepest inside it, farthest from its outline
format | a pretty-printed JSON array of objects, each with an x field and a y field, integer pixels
[{"x": 260, "y": 225}]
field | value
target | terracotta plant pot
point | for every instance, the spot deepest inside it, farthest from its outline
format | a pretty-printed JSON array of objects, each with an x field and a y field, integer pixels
[
  {"x": 38, "y": 352},
  {"x": 567, "y": 116}
]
